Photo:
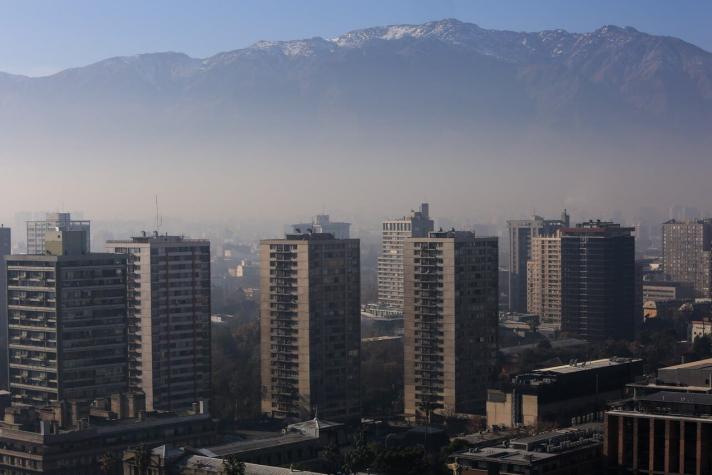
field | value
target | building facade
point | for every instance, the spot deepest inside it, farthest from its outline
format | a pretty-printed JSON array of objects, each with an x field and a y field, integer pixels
[
  {"x": 169, "y": 318},
  {"x": 66, "y": 326},
  {"x": 687, "y": 253},
  {"x": 36, "y": 231},
  {"x": 450, "y": 322},
  {"x": 544, "y": 280},
  {"x": 390, "y": 262},
  {"x": 660, "y": 432},
  {"x": 310, "y": 327},
  {"x": 322, "y": 224},
  {"x": 521, "y": 233},
  {"x": 5, "y": 250},
  {"x": 598, "y": 281}
]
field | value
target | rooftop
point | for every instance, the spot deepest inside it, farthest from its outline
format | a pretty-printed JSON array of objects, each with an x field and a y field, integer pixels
[
  {"x": 540, "y": 447},
  {"x": 563, "y": 343},
  {"x": 576, "y": 367},
  {"x": 701, "y": 364},
  {"x": 154, "y": 237},
  {"x": 249, "y": 445},
  {"x": 248, "y": 441},
  {"x": 54, "y": 258},
  {"x": 207, "y": 465}
]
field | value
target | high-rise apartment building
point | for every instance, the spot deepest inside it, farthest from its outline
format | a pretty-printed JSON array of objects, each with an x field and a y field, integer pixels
[
  {"x": 5, "y": 250},
  {"x": 66, "y": 323},
  {"x": 310, "y": 327},
  {"x": 36, "y": 231},
  {"x": 598, "y": 281},
  {"x": 322, "y": 224},
  {"x": 687, "y": 254},
  {"x": 169, "y": 318},
  {"x": 390, "y": 262},
  {"x": 5, "y": 241},
  {"x": 450, "y": 320},
  {"x": 521, "y": 233},
  {"x": 544, "y": 280}
]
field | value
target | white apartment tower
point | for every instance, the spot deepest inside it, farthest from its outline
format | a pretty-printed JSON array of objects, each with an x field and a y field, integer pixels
[
  {"x": 390, "y": 263},
  {"x": 544, "y": 280}
]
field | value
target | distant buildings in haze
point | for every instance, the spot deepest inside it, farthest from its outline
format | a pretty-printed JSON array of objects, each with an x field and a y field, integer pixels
[
  {"x": 687, "y": 253},
  {"x": 521, "y": 233},
  {"x": 36, "y": 231},
  {"x": 322, "y": 224}
]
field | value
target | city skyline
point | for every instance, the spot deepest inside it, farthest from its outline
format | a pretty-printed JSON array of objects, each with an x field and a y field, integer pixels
[{"x": 413, "y": 237}]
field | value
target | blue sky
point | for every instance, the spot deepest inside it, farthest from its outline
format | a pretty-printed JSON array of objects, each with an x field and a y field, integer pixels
[{"x": 41, "y": 37}]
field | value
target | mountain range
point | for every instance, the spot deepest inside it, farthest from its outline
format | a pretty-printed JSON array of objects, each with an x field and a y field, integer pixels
[
  {"x": 610, "y": 75},
  {"x": 414, "y": 89}
]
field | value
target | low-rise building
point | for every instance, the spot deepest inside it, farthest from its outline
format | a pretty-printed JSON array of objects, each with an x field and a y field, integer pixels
[
  {"x": 576, "y": 392},
  {"x": 74, "y": 438},
  {"x": 565, "y": 451},
  {"x": 298, "y": 443},
  {"x": 521, "y": 324},
  {"x": 662, "y": 432}
]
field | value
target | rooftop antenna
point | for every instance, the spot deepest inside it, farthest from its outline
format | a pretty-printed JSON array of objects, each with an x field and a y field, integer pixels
[{"x": 159, "y": 219}]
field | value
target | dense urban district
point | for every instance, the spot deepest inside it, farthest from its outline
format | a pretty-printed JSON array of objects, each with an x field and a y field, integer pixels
[{"x": 555, "y": 348}]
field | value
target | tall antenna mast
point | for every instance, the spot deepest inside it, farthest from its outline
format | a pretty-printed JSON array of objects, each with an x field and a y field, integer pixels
[{"x": 159, "y": 220}]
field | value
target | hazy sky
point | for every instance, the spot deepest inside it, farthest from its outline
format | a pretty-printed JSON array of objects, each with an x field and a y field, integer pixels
[
  {"x": 42, "y": 37},
  {"x": 238, "y": 160}
]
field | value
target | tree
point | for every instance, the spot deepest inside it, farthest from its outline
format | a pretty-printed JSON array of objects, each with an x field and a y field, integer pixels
[
  {"x": 401, "y": 461},
  {"x": 142, "y": 458},
  {"x": 109, "y": 463},
  {"x": 233, "y": 466},
  {"x": 360, "y": 456},
  {"x": 332, "y": 458}
]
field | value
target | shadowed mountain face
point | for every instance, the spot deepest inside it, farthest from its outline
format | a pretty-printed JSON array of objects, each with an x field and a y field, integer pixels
[{"x": 448, "y": 89}]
